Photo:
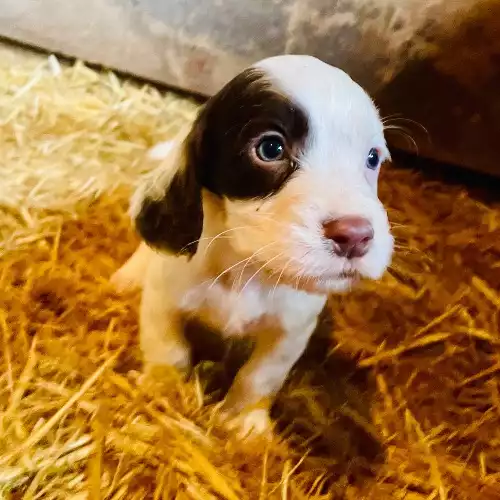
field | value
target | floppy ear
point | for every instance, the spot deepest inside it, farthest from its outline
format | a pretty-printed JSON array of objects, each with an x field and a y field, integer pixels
[{"x": 168, "y": 211}]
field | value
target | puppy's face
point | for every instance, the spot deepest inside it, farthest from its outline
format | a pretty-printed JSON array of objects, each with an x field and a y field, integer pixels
[{"x": 292, "y": 147}]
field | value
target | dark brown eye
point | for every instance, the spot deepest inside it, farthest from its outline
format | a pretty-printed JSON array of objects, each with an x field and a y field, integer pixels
[{"x": 270, "y": 148}]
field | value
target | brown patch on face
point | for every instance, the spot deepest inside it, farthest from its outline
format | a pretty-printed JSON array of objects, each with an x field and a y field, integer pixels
[
  {"x": 227, "y": 129},
  {"x": 218, "y": 157}
]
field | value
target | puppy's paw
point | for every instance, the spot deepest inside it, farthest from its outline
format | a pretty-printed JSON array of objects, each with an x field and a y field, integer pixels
[
  {"x": 168, "y": 356},
  {"x": 125, "y": 280},
  {"x": 155, "y": 378},
  {"x": 252, "y": 424}
]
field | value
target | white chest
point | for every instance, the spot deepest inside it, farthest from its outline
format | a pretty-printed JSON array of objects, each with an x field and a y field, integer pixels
[
  {"x": 234, "y": 312},
  {"x": 234, "y": 303}
]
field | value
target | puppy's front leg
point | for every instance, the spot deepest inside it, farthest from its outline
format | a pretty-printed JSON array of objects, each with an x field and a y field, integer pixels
[
  {"x": 161, "y": 327},
  {"x": 250, "y": 397},
  {"x": 131, "y": 274}
]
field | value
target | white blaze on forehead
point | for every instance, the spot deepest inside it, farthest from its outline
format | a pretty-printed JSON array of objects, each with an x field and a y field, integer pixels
[{"x": 340, "y": 112}]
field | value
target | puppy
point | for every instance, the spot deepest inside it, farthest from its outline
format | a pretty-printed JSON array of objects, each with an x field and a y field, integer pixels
[{"x": 267, "y": 205}]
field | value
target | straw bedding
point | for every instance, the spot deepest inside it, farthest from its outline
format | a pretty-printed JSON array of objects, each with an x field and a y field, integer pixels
[{"x": 406, "y": 405}]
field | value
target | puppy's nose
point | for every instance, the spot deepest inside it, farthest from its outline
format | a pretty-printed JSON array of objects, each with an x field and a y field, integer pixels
[{"x": 351, "y": 236}]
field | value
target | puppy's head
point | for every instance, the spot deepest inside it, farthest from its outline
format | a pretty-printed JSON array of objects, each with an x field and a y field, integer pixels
[{"x": 292, "y": 148}]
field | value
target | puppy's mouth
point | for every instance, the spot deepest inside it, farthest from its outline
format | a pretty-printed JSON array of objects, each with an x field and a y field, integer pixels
[
  {"x": 339, "y": 281},
  {"x": 344, "y": 275},
  {"x": 348, "y": 275},
  {"x": 344, "y": 280}
]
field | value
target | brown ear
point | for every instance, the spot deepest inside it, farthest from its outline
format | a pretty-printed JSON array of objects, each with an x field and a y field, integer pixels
[{"x": 170, "y": 217}]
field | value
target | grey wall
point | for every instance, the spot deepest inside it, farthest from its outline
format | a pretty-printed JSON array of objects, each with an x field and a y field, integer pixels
[{"x": 436, "y": 62}]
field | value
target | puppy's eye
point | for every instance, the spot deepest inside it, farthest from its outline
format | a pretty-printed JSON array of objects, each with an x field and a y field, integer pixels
[
  {"x": 373, "y": 160},
  {"x": 270, "y": 148}
]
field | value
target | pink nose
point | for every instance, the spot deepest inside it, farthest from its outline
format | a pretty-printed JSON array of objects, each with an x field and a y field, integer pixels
[{"x": 351, "y": 236}]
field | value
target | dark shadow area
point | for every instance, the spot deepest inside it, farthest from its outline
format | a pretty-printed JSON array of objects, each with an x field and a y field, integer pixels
[
  {"x": 481, "y": 186},
  {"x": 448, "y": 98},
  {"x": 323, "y": 409}
]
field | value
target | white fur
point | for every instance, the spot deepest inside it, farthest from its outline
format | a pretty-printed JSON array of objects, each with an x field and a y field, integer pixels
[
  {"x": 263, "y": 267},
  {"x": 333, "y": 181}
]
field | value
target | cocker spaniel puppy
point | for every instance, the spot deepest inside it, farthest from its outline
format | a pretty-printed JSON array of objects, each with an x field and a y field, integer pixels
[{"x": 267, "y": 205}]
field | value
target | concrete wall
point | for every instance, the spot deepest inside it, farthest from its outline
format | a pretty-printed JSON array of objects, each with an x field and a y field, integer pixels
[{"x": 436, "y": 62}]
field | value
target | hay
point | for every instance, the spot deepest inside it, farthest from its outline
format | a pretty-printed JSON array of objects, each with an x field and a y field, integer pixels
[
  {"x": 405, "y": 406},
  {"x": 69, "y": 133}
]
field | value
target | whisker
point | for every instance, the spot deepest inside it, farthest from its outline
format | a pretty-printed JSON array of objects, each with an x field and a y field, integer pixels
[
  {"x": 300, "y": 273},
  {"x": 297, "y": 281},
  {"x": 279, "y": 277},
  {"x": 212, "y": 237},
  {"x": 269, "y": 217},
  {"x": 386, "y": 119},
  {"x": 223, "y": 233},
  {"x": 258, "y": 271},
  {"x": 236, "y": 285},
  {"x": 187, "y": 245},
  {"x": 226, "y": 271},
  {"x": 408, "y": 120},
  {"x": 238, "y": 263},
  {"x": 405, "y": 134}
]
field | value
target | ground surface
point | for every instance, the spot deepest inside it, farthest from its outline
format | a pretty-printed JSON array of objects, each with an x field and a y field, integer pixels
[{"x": 405, "y": 406}]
